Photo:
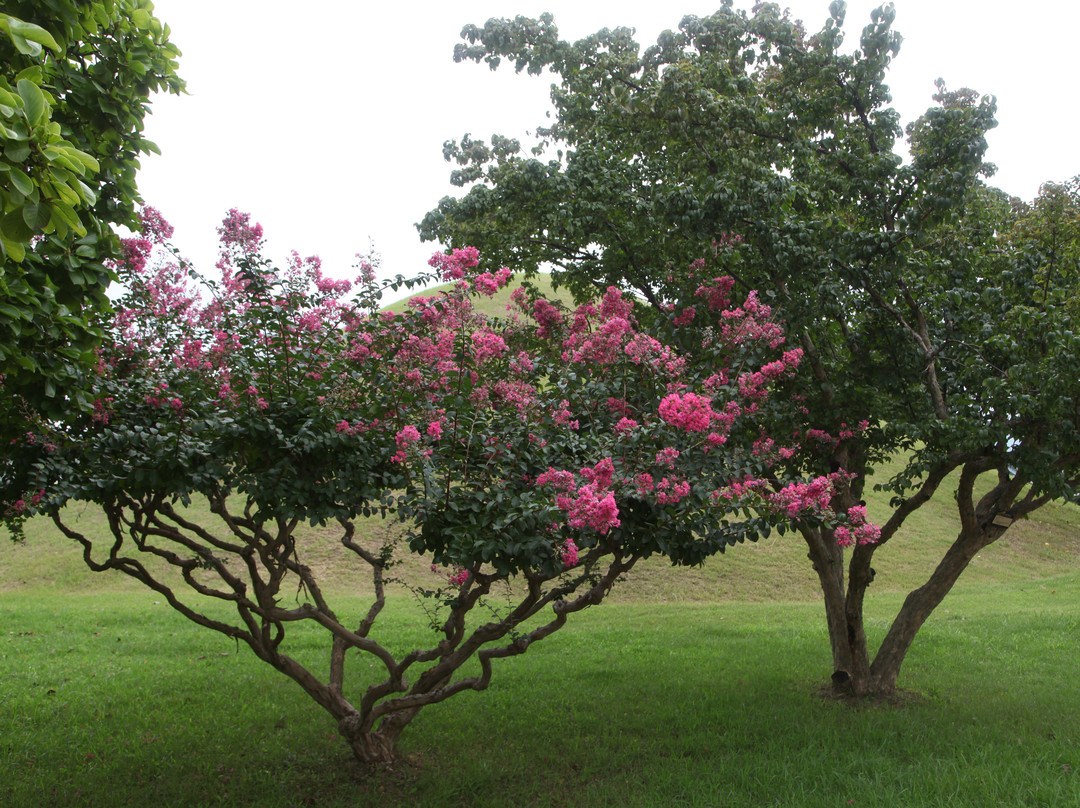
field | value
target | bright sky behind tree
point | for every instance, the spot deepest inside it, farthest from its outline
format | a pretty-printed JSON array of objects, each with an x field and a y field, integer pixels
[{"x": 326, "y": 120}]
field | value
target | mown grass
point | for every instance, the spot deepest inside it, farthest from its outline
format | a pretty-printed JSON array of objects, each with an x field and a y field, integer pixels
[{"x": 117, "y": 701}]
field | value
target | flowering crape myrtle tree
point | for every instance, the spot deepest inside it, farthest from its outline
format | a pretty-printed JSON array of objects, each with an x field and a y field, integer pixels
[
  {"x": 937, "y": 330},
  {"x": 549, "y": 449}
]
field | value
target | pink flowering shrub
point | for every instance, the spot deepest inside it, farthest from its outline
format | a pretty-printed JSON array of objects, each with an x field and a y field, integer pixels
[{"x": 556, "y": 446}]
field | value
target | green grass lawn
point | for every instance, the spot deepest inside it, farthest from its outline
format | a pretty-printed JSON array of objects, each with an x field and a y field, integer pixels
[
  {"x": 117, "y": 701},
  {"x": 693, "y": 687}
]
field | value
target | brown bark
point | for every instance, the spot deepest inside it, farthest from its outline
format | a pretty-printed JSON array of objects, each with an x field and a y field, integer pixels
[
  {"x": 918, "y": 606},
  {"x": 977, "y": 530},
  {"x": 375, "y": 747},
  {"x": 828, "y": 564}
]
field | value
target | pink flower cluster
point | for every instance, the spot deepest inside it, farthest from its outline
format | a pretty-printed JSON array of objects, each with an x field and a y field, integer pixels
[
  {"x": 751, "y": 323},
  {"x": 569, "y": 553},
  {"x": 860, "y": 531},
  {"x": 688, "y": 411},
  {"x": 455, "y": 577},
  {"x": 597, "y": 337},
  {"x": 405, "y": 438},
  {"x": 591, "y": 508},
  {"x": 456, "y": 265},
  {"x": 488, "y": 284},
  {"x": 671, "y": 490},
  {"x": 548, "y": 317},
  {"x": 591, "y": 505},
  {"x": 801, "y": 499},
  {"x": 752, "y": 386},
  {"x": 716, "y": 292},
  {"x": 686, "y": 316},
  {"x": 487, "y": 345},
  {"x": 153, "y": 225},
  {"x": 239, "y": 238}
]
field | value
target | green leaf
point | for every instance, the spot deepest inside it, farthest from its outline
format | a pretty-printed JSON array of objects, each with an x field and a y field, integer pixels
[
  {"x": 26, "y": 47},
  {"x": 28, "y": 32},
  {"x": 12, "y": 249},
  {"x": 17, "y": 152},
  {"x": 14, "y": 228},
  {"x": 35, "y": 107},
  {"x": 36, "y": 214},
  {"x": 21, "y": 181},
  {"x": 68, "y": 216}
]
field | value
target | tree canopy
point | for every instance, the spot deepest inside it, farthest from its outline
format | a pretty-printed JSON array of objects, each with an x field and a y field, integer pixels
[
  {"x": 75, "y": 84},
  {"x": 924, "y": 306}
]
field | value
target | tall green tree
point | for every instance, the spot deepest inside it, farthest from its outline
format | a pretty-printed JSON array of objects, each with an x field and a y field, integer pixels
[
  {"x": 75, "y": 84},
  {"x": 773, "y": 153}
]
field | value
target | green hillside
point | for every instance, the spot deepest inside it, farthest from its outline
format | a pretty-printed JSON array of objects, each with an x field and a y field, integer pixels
[
  {"x": 494, "y": 306},
  {"x": 774, "y": 569}
]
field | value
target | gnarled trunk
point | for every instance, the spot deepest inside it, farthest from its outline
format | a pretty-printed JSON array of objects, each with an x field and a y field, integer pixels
[{"x": 376, "y": 746}]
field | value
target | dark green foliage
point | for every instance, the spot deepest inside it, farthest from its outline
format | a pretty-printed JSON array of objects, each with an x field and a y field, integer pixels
[
  {"x": 933, "y": 309},
  {"x": 75, "y": 83}
]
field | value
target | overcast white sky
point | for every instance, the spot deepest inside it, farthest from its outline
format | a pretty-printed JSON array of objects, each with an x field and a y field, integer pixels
[{"x": 326, "y": 120}]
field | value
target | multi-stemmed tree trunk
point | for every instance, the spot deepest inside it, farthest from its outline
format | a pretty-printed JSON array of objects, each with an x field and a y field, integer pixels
[
  {"x": 248, "y": 563},
  {"x": 860, "y": 670}
]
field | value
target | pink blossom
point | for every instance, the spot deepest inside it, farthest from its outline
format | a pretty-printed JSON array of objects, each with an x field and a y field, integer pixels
[
  {"x": 615, "y": 305},
  {"x": 716, "y": 292},
  {"x": 590, "y": 510},
  {"x": 487, "y": 345},
  {"x": 136, "y": 251},
  {"x": 456, "y": 577},
  {"x": 601, "y": 474},
  {"x": 561, "y": 480},
  {"x": 454, "y": 266},
  {"x": 459, "y": 577},
  {"x": 486, "y": 284},
  {"x": 739, "y": 489},
  {"x": 153, "y": 225},
  {"x": 562, "y": 415},
  {"x": 239, "y": 238},
  {"x": 666, "y": 457},
  {"x": 407, "y": 436},
  {"x": 569, "y": 553},
  {"x": 800, "y": 499},
  {"x": 764, "y": 447},
  {"x": 190, "y": 355},
  {"x": 685, "y": 316},
  {"x": 548, "y": 318},
  {"x": 672, "y": 491},
  {"x": 688, "y": 411},
  {"x": 101, "y": 410}
]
